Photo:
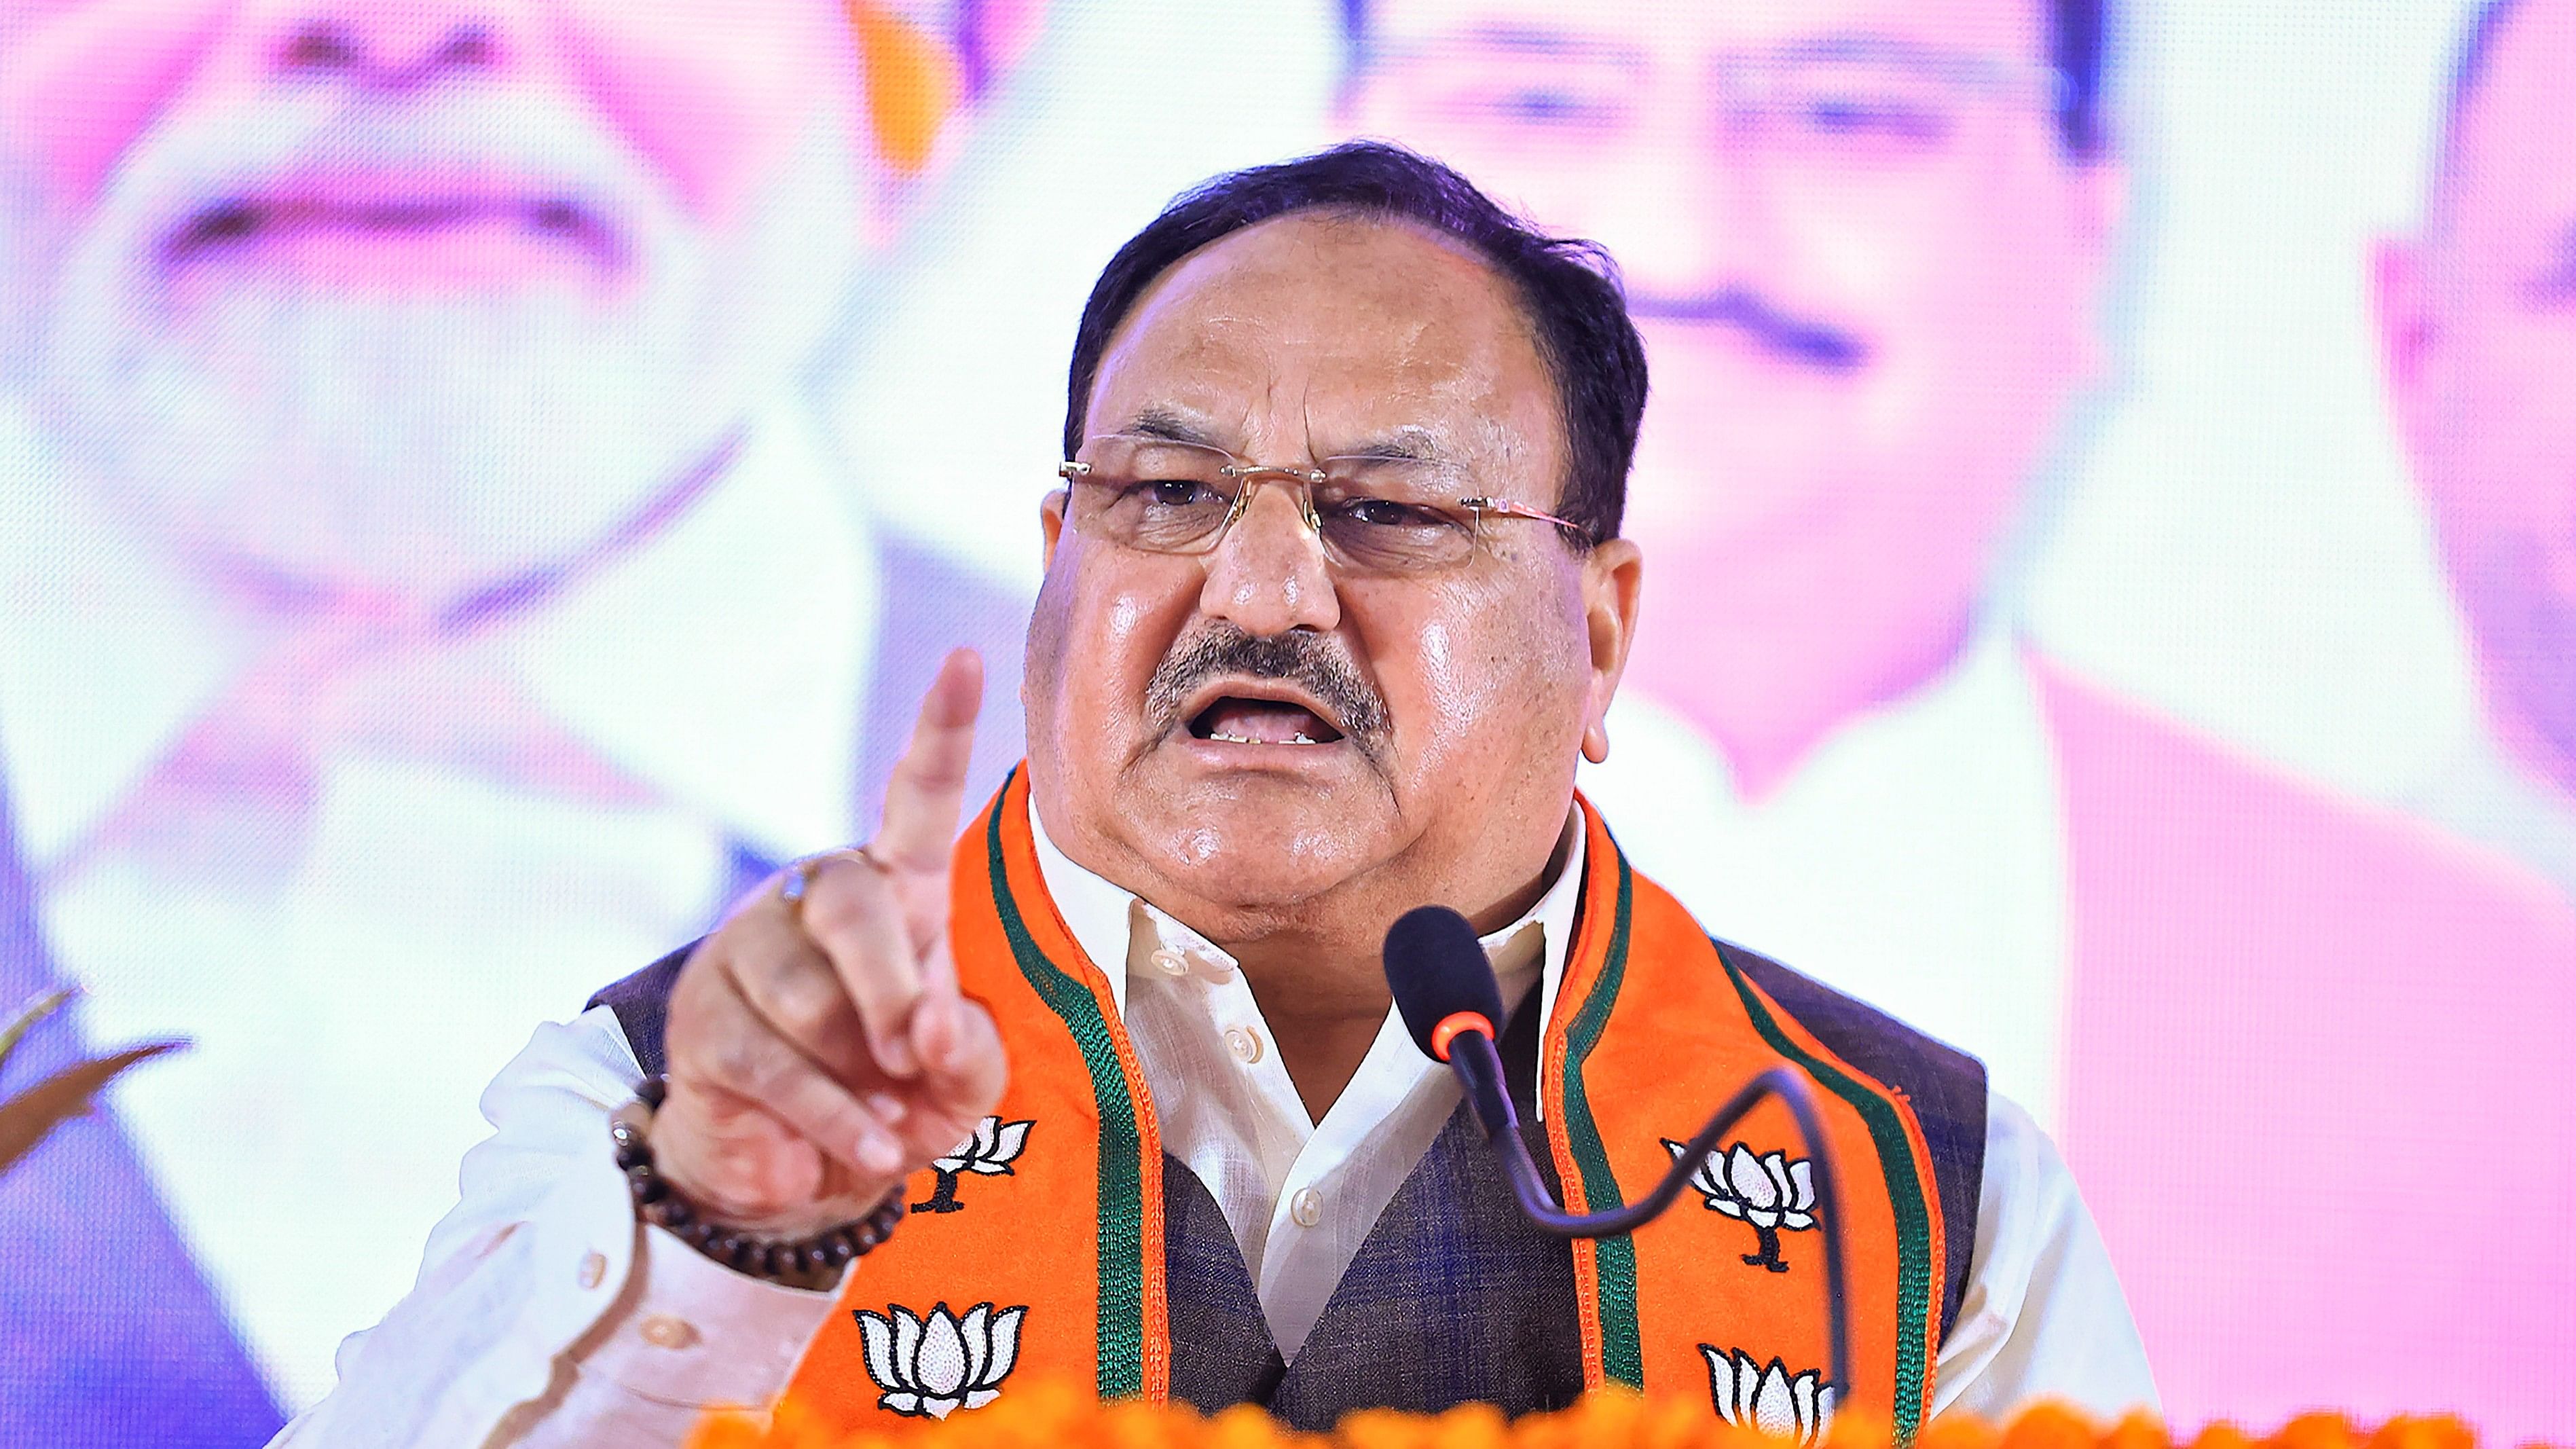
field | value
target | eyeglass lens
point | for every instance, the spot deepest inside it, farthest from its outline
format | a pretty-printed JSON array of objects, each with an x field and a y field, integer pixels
[{"x": 1374, "y": 514}]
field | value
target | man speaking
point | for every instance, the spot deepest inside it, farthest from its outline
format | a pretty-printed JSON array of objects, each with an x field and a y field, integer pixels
[{"x": 1109, "y": 1088}]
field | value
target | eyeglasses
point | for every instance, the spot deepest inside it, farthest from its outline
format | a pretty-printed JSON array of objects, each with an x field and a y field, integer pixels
[{"x": 1375, "y": 515}]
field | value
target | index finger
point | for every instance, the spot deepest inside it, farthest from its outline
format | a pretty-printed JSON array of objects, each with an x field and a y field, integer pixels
[{"x": 928, "y": 786}]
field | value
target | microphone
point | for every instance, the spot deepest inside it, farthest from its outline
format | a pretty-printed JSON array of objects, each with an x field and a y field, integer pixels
[{"x": 1445, "y": 991}]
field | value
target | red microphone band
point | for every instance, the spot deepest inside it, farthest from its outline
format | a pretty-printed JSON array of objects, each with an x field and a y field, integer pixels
[{"x": 1454, "y": 1023}]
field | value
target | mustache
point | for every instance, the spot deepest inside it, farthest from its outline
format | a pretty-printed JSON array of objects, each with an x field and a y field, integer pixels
[
  {"x": 1809, "y": 343},
  {"x": 1313, "y": 662}
]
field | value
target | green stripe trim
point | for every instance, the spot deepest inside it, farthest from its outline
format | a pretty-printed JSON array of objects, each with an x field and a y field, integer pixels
[
  {"x": 1121, "y": 1359},
  {"x": 1614, "y": 1260},
  {"x": 1904, "y": 1193}
]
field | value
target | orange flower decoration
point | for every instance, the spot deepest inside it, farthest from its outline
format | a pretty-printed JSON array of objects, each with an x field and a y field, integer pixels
[{"x": 1056, "y": 1414}]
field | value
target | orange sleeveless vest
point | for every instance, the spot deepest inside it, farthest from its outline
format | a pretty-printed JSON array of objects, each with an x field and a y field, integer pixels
[{"x": 1037, "y": 1248}]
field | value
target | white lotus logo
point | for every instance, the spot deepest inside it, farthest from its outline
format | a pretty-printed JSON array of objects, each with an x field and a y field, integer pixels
[
  {"x": 988, "y": 1153},
  {"x": 1770, "y": 1192},
  {"x": 932, "y": 1367},
  {"x": 1770, "y": 1399}
]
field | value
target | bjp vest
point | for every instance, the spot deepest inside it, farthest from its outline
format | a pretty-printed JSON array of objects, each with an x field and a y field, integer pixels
[{"x": 1062, "y": 1241}]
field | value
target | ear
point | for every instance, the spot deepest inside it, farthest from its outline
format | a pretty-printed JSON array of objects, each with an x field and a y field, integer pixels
[
  {"x": 1050, "y": 527},
  {"x": 1612, "y": 577},
  {"x": 2101, "y": 199},
  {"x": 2099, "y": 211},
  {"x": 2402, "y": 304}
]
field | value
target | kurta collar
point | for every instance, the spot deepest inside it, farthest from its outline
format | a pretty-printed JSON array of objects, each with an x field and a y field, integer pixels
[{"x": 1105, "y": 919}]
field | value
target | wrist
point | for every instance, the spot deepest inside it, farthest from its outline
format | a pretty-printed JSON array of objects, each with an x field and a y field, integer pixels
[{"x": 806, "y": 1247}]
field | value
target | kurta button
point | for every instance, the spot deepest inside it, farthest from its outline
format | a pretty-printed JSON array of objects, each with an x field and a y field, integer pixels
[
  {"x": 594, "y": 1267},
  {"x": 1244, "y": 1042},
  {"x": 663, "y": 1331},
  {"x": 1307, "y": 1207},
  {"x": 1169, "y": 961}
]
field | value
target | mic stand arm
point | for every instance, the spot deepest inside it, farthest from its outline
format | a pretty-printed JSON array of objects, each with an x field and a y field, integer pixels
[{"x": 1480, "y": 1067}]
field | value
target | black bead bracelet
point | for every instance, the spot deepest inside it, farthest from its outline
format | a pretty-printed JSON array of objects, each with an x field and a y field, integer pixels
[{"x": 812, "y": 1262}]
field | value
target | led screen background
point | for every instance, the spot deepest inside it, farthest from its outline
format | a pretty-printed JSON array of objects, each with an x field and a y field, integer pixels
[{"x": 396, "y": 651}]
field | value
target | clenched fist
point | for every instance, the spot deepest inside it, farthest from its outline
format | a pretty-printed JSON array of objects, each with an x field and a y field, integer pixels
[{"x": 818, "y": 1049}]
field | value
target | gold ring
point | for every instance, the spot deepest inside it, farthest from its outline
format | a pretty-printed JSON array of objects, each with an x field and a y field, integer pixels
[{"x": 800, "y": 873}]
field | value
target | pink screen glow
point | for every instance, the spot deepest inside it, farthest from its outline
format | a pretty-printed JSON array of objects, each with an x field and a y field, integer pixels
[{"x": 483, "y": 481}]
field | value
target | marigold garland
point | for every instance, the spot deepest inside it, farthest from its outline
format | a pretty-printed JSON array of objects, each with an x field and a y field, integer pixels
[{"x": 1055, "y": 1414}]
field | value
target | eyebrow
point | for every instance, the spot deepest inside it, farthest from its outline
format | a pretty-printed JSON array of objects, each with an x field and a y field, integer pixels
[
  {"x": 1408, "y": 444},
  {"x": 1849, "y": 45},
  {"x": 1540, "y": 41},
  {"x": 1404, "y": 445},
  {"x": 1171, "y": 426}
]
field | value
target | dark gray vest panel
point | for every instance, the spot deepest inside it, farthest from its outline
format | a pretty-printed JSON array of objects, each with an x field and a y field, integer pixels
[{"x": 1453, "y": 1295}]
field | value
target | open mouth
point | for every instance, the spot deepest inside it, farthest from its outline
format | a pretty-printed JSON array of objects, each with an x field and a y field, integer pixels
[
  {"x": 1240, "y": 719},
  {"x": 242, "y": 222}
]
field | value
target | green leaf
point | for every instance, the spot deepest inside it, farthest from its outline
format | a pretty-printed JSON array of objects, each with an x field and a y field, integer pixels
[
  {"x": 26, "y": 1118},
  {"x": 39, "y": 1006}
]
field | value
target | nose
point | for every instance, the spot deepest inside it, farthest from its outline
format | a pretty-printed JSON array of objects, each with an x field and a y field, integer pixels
[
  {"x": 401, "y": 46},
  {"x": 1684, "y": 207},
  {"x": 1268, "y": 575}
]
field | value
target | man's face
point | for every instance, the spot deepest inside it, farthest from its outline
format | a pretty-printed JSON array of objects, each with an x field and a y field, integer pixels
[
  {"x": 1449, "y": 703},
  {"x": 403, "y": 295},
  {"x": 1863, "y": 265},
  {"x": 2480, "y": 318}
]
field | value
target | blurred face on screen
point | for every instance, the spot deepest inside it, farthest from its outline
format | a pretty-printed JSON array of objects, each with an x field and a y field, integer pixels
[
  {"x": 1862, "y": 261},
  {"x": 399, "y": 296},
  {"x": 2480, "y": 316}
]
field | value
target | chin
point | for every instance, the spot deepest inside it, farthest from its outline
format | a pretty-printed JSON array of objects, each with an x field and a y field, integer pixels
[{"x": 1250, "y": 851}]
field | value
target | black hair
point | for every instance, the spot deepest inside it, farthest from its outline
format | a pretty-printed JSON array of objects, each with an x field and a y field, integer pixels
[
  {"x": 2077, "y": 48},
  {"x": 1568, "y": 290}
]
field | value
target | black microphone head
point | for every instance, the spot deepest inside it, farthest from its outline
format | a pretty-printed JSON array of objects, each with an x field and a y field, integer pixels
[{"x": 1436, "y": 969}]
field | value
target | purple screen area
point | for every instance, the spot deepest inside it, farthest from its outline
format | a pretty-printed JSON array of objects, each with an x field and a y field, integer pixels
[{"x": 483, "y": 482}]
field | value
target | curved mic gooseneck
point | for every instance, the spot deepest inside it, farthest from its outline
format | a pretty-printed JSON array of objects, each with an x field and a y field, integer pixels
[{"x": 1444, "y": 989}]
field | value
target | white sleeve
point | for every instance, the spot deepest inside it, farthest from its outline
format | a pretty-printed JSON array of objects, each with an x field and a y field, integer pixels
[
  {"x": 544, "y": 1314},
  {"x": 2044, "y": 1317}
]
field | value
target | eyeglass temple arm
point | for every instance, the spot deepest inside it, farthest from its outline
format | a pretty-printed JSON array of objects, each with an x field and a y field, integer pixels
[{"x": 1509, "y": 509}]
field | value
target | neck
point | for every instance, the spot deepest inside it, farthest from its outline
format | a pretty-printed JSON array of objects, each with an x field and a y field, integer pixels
[
  {"x": 1316, "y": 965},
  {"x": 1772, "y": 661},
  {"x": 1324, "y": 1005}
]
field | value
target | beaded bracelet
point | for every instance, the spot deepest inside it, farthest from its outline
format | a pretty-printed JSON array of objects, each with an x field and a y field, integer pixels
[{"x": 812, "y": 1262}]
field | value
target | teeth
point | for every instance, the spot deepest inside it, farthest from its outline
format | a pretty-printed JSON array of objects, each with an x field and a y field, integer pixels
[{"x": 1299, "y": 739}]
